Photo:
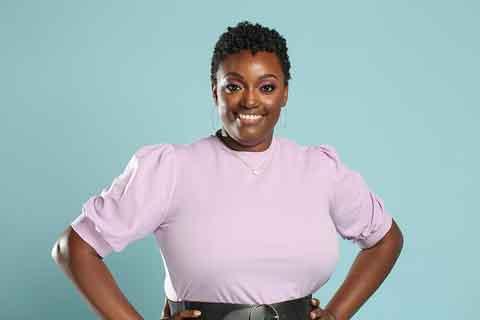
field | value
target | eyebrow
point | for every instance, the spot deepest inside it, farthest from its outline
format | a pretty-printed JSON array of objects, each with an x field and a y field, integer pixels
[{"x": 240, "y": 76}]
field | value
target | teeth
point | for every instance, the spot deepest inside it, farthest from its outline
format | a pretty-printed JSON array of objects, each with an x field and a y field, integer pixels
[{"x": 245, "y": 116}]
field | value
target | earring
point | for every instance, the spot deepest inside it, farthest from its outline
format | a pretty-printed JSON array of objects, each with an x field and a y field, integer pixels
[
  {"x": 214, "y": 119},
  {"x": 282, "y": 119}
]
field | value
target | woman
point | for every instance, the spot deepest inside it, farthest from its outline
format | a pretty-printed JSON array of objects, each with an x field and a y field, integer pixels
[{"x": 246, "y": 221}]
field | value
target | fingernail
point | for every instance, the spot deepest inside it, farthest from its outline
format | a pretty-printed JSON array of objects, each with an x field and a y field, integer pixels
[{"x": 197, "y": 313}]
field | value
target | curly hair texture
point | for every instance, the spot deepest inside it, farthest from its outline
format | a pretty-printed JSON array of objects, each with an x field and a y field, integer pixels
[{"x": 253, "y": 37}]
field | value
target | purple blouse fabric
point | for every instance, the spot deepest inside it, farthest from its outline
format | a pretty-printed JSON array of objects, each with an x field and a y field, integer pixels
[{"x": 227, "y": 234}]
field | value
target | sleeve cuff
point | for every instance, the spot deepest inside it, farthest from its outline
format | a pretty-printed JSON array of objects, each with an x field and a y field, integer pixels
[
  {"x": 375, "y": 237},
  {"x": 86, "y": 230}
]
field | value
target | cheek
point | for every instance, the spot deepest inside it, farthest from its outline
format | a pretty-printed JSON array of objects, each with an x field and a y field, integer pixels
[
  {"x": 229, "y": 101},
  {"x": 226, "y": 113},
  {"x": 273, "y": 104}
]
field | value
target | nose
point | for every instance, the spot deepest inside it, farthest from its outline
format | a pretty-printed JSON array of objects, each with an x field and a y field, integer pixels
[{"x": 249, "y": 99}]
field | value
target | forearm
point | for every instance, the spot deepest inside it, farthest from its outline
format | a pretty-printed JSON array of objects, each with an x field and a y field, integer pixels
[
  {"x": 367, "y": 273},
  {"x": 94, "y": 281}
]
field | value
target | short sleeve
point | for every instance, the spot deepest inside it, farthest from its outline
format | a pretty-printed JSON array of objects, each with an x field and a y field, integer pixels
[
  {"x": 133, "y": 205},
  {"x": 358, "y": 213}
]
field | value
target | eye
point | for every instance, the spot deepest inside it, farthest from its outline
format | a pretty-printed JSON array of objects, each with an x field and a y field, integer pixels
[
  {"x": 268, "y": 88},
  {"x": 231, "y": 87}
]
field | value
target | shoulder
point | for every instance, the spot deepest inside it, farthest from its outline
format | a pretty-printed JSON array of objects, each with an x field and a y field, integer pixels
[
  {"x": 165, "y": 152},
  {"x": 197, "y": 149},
  {"x": 148, "y": 159},
  {"x": 154, "y": 150},
  {"x": 318, "y": 154},
  {"x": 326, "y": 153}
]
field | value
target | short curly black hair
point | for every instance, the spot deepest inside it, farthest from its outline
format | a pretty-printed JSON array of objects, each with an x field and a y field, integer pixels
[{"x": 254, "y": 37}]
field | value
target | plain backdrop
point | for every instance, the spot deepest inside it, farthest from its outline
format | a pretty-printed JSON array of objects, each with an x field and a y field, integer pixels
[{"x": 392, "y": 85}]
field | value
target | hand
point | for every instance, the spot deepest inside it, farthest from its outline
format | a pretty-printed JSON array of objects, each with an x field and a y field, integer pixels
[
  {"x": 319, "y": 313},
  {"x": 185, "y": 314}
]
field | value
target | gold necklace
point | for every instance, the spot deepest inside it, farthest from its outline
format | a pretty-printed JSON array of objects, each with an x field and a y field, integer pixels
[{"x": 256, "y": 171}]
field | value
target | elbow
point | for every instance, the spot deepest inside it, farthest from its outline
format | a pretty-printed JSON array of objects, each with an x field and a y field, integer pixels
[
  {"x": 392, "y": 241},
  {"x": 401, "y": 241},
  {"x": 398, "y": 236},
  {"x": 65, "y": 248},
  {"x": 59, "y": 252},
  {"x": 55, "y": 254},
  {"x": 70, "y": 248}
]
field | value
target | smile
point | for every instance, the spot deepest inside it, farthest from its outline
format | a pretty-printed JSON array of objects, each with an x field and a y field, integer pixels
[{"x": 249, "y": 119}]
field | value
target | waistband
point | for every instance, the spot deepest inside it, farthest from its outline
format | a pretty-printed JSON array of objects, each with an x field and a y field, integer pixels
[{"x": 295, "y": 309}]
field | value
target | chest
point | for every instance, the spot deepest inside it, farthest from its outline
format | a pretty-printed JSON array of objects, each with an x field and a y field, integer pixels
[{"x": 275, "y": 222}]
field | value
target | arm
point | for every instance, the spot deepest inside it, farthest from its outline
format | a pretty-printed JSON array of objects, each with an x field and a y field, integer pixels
[
  {"x": 166, "y": 309},
  {"x": 86, "y": 269},
  {"x": 368, "y": 271}
]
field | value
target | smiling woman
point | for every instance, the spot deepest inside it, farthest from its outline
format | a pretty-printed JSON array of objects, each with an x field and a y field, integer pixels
[
  {"x": 249, "y": 91},
  {"x": 246, "y": 221},
  {"x": 250, "y": 71}
]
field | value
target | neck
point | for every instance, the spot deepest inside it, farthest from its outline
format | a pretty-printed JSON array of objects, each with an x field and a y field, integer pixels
[{"x": 235, "y": 145}]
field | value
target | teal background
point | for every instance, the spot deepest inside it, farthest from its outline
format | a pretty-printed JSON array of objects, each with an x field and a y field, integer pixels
[{"x": 393, "y": 85}]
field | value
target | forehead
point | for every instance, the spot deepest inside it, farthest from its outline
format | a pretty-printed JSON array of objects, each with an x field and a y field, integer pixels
[{"x": 247, "y": 64}]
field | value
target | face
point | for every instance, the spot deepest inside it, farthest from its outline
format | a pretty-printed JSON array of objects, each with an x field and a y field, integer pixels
[{"x": 250, "y": 85}]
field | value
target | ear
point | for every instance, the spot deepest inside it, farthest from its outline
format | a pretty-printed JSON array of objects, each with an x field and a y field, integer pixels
[
  {"x": 214, "y": 93},
  {"x": 285, "y": 96}
]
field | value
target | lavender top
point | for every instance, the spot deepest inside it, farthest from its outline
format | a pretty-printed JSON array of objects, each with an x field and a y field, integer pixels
[{"x": 228, "y": 235}]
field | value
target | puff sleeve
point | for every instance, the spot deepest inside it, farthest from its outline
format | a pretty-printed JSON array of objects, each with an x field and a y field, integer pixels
[
  {"x": 358, "y": 213},
  {"x": 133, "y": 205}
]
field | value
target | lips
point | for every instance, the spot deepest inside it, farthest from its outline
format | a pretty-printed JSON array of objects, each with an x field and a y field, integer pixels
[{"x": 249, "y": 119}]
